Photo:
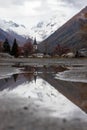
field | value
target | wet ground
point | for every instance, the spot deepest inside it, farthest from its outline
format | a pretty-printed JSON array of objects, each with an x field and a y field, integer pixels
[{"x": 34, "y": 98}]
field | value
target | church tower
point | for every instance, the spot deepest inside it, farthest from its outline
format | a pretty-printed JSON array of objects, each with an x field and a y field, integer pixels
[{"x": 35, "y": 45}]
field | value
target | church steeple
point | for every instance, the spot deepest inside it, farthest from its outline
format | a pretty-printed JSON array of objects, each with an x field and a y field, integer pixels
[{"x": 35, "y": 44}]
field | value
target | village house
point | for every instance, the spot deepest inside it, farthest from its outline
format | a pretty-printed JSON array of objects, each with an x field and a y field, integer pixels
[{"x": 82, "y": 52}]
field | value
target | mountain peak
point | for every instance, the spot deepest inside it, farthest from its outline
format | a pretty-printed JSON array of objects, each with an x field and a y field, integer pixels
[
  {"x": 84, "y": 10},
  {"x": 11, "y": 30}
]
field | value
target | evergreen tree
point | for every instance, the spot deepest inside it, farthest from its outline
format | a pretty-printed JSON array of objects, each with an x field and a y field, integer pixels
[
  {"x": 6, "y": 46},
  {"x": 14, "y": 51}
]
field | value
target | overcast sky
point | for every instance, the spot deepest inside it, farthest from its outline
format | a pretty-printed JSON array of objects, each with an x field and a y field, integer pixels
[{"x": 28, "y": 12}]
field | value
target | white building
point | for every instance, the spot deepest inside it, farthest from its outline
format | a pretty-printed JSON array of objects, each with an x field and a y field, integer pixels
[{"x": 83, "y": 52}]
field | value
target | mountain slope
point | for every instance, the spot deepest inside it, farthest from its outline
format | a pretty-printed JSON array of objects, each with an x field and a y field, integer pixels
[
  {"x": 10, "y": 36},
  {"x": 12, "y": 26},
  {"x": 72, "y": 34},
  {"x": 11, "y": 30},
  {"x": 46, "y": 27}
]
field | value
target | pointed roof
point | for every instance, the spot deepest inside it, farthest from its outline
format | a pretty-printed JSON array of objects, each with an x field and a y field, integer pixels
[{"x": 35, "y": 42}]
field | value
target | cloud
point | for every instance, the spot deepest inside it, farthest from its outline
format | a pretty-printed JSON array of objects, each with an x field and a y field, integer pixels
[
  {"x": 30, "y": 11},
  {"x": 76, "y": 3},
  {"x": 6, "y": 3}
]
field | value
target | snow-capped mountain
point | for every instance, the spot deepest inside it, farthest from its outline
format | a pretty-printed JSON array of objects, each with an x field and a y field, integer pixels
[
  {"x": 41, "y": 30},
  {"x": 45, "y": 28},
  {"x": 73, "y": 34},
  {"x": 11, "y": 30},
  {"x": 9, "y": 26}
]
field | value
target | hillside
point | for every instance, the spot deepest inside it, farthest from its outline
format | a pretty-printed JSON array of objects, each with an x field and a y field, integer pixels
[
  {"x": 72, "y": 34},
  {"x": 11, "y": 30},
  {"x": 46, "y": 27}
]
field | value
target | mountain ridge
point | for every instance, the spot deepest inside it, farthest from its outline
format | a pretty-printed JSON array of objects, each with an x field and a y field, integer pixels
[
  {"x": 71, "y": 34},
  {"x": 12, "y": 30},
  {"x": 45, "y": 28}
]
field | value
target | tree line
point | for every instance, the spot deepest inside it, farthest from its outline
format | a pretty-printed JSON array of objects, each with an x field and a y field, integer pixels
[
  {"x": 28, "y": 49},
  {"x": 16, "y": 50},
  {"x": 11, "y": 50}
]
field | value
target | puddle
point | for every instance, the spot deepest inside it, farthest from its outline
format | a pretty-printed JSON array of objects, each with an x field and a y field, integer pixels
[
  {"x": 74, "y": 74},
  {"x": 39, "y": 101}
]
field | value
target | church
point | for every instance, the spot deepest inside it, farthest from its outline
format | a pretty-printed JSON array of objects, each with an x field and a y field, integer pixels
[{"x": 35, "y": 46}]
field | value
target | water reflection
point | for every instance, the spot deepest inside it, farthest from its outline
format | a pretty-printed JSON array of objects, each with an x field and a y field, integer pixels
[
  {"x": 15, "y": 76},
  {"x": 17, "y": 79},
  {"x": 74, "y": 74},
  {"x": 39, "y": 83},
  {"x": 38, "y": 100},
  {"x": 74, "y": 91}
]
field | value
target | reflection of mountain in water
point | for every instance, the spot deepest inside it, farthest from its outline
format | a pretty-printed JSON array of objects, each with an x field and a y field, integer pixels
[
  {"x": 15, "y": 80},
  {"x": 39, "y": 85},
  {"x": 74, "y": 91}
]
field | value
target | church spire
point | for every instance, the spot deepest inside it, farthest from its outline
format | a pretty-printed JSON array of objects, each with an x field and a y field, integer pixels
[
  {"x": 35, "y": 42},
  {"x": 35, "y": 45}
]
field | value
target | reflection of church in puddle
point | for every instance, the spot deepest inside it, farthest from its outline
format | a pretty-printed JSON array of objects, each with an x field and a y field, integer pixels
[{"x": 35, "y": 76}]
